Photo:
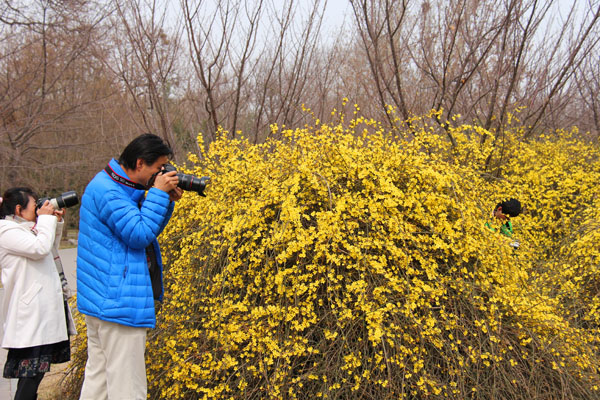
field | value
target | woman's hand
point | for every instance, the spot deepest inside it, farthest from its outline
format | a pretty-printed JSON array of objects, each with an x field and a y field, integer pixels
[
  {"x": 46, "y": 209},
  {"x": 59, "y": 214}
]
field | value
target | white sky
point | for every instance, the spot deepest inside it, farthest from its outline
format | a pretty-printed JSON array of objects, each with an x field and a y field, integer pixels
[{"x": 335, "y": 12}]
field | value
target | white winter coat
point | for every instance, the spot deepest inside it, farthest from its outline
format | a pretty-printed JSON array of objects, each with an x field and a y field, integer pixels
[{"x": 33, "y": 307}]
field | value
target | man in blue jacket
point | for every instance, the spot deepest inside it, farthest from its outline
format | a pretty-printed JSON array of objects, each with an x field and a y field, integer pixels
[{"x": 119, "y": 269}]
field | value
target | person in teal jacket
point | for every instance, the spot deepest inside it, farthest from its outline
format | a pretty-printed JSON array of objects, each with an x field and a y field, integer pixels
[{"x": 119, "y": 269}]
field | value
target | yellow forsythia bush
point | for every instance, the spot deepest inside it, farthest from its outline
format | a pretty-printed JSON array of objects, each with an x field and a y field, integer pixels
[
  {"x": 346, "y": 261},
  {"x": 563, "y": 226}
]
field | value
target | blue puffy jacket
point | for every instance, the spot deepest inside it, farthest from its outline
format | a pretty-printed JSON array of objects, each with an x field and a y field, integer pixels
[{"x": 113, "y": 281}]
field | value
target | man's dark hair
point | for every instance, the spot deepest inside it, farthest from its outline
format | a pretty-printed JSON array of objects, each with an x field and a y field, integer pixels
[
  {"x": 13, "y": 197},
  {"x": 147, "y": 147},
  {"x": 511, "y": 207}
]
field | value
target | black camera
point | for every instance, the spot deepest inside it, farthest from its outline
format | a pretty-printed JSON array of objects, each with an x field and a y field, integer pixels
[
  {"x": 188, "y": 182},
  {"x": 65, "y": 200}
]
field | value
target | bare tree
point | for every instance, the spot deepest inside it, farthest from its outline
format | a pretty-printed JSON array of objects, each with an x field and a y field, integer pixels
[
  {"x": 381, "y": 28},
  {"x": 82, "y": 72},
  {"x": 144, "y": 59},
  {"x": 209, "y": 36},
  {"x": 253, "y": 64},
  {"x": 588, "y": 87},
  {"x": 579, "y": 49},
  {"x": 479, "y": 59},
  {"x": 40, "y": 97}
]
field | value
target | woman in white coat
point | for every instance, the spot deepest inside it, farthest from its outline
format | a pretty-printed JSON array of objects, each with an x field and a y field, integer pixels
[{"x": 35, "y": 312}]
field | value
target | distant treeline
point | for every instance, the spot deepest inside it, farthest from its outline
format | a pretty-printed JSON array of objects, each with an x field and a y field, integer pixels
[{"x": 79, "y": 79}]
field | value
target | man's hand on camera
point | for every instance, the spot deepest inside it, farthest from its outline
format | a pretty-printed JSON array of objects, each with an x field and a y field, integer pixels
[
  {"x": 175, "y": 194},
  {"x": 166, "y": 182},
  {"x": 46, "y": 209}
]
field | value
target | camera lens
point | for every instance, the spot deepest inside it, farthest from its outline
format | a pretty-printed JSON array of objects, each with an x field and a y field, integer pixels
[
  {"x": 190, "y": 182},
  {"x": 67, "y": 199}
]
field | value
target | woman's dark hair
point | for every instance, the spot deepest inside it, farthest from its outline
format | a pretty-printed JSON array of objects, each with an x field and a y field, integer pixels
[
  {"x": 147, "y": 147},
  {"x": 13, "y": 197}
]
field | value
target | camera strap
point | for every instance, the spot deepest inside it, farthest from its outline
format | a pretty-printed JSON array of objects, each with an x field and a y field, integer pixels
[{"x": 123, "y": 181}]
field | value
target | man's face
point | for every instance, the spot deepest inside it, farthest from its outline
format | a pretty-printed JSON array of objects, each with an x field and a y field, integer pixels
[{"x": 144, "y": 172}]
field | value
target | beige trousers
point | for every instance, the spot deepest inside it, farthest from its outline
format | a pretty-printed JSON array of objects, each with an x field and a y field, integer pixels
[{"x": 115, "y": 368}]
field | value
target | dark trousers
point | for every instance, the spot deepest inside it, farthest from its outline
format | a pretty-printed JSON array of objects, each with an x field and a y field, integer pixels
[{"x": 27, "y": 387}]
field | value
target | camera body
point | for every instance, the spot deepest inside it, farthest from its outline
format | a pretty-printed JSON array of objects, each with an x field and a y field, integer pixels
[
  {"x": 65, "y": 200},
  {"x": 188, "y": 182}
]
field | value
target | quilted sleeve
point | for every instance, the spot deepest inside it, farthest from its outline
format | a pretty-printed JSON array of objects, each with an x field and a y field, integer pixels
[{"x": 136, "y": 227}]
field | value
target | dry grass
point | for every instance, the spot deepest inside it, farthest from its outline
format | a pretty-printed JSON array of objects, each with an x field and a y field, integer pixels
[{"x": 50, "y": 387}]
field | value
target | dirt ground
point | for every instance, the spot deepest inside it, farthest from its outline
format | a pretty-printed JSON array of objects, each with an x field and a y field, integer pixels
[{"x": 49, "y": 387}]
